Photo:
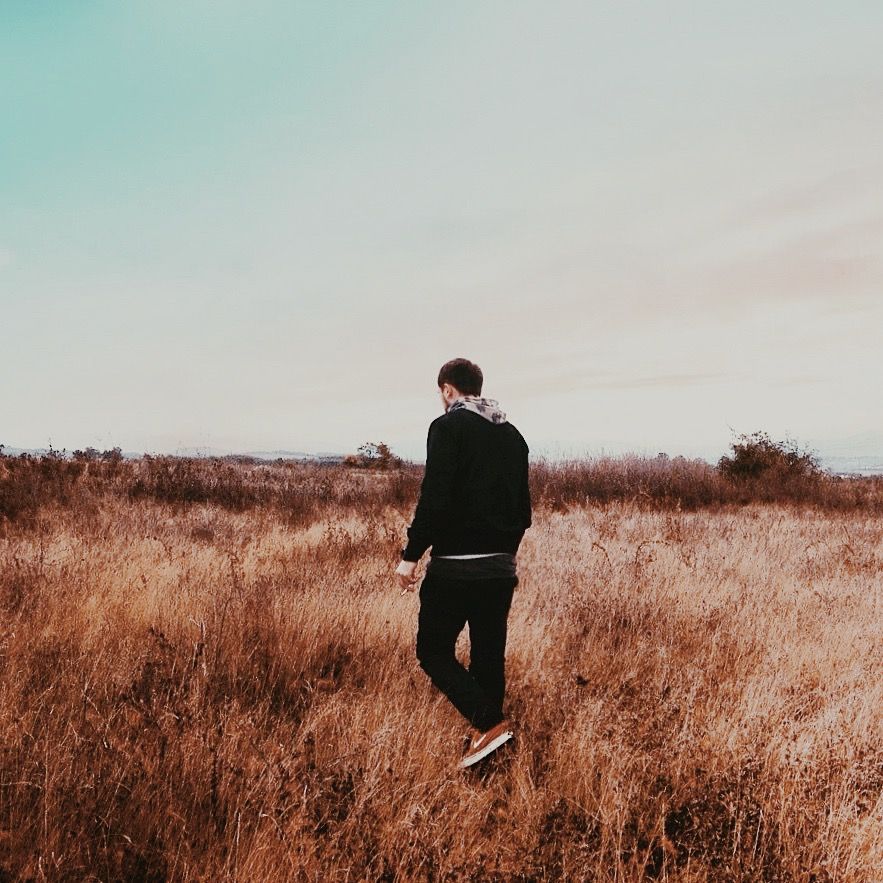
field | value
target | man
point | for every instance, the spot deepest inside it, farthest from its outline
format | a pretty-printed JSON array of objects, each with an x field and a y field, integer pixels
[{"x": 474, "y": 509}]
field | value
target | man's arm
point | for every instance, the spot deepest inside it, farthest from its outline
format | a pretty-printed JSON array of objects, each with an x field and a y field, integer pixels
[
  {"x": 436, "y": 491},
  {"x": 525, "y": 493}
]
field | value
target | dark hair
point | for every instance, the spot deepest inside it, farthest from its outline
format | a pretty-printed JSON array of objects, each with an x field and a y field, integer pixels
[{"x": 466, "y": 376}]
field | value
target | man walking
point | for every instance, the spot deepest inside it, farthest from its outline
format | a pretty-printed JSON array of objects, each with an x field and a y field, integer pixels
[{"x": 474, "y": 509}]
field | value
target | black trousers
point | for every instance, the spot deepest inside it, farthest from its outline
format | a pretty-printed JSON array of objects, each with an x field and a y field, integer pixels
[{"x": 446, "y": 605}]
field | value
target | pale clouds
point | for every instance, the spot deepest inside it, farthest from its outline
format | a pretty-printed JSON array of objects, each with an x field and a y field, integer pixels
[{"x": 646, "y": 225}]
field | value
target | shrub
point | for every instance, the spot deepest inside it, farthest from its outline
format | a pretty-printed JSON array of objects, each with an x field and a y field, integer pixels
[
  {"x": 114, "y": 455},
  {"x": 756, "y": 455},
  {"x": 373, "y": 455}
]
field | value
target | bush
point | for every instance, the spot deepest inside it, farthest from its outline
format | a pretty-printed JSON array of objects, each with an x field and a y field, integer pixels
[
  {"x": 756, "y": 455},
  {"x": 373, "y": 455}
]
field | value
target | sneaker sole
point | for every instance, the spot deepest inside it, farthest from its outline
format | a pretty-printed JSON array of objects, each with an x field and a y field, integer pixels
[{"x": 493, "y": 745}]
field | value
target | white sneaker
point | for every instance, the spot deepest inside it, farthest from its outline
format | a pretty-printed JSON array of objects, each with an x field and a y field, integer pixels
[{"x": 483, "y": 744}]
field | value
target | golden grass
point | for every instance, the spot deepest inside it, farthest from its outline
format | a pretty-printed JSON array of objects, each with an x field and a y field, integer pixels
[{"x": 196, "y": 693}]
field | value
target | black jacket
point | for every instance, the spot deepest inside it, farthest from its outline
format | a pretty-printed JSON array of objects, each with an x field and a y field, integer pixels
[{"x": 475, "y": 495}]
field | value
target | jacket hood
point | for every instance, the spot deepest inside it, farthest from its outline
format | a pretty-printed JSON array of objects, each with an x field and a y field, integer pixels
[{"x": 488, "y": 408}]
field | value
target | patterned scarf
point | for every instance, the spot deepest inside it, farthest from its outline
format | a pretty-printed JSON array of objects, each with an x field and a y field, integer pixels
[{"x": 488, "y": 408}]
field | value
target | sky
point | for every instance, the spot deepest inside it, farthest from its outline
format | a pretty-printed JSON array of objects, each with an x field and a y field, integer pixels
[{"x": 265, "y": 226}]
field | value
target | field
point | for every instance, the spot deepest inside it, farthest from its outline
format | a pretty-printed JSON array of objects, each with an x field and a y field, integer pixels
[{"x": 208, "y": 673}]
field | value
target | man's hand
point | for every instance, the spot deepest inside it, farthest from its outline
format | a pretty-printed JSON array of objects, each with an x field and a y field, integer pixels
[{"x": 407, "y": 576}]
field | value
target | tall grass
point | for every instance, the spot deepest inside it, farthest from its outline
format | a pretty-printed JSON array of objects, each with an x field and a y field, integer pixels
[
  {"x": 297, "y": 492},
  {"x": 195, "y": 689},
  {"x": 300, "y": 492},
  {"x": 679, "y": 483}
]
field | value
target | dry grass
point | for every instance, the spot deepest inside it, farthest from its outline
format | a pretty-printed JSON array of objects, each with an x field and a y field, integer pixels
[{"x": 208, "y": 691}]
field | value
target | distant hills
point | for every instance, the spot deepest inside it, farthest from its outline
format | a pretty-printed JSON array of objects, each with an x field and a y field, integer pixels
[
  {"x": 860, "y": 454},
  {"x": 853, "y": 465},
  {"x": 325, "y": 456},
  {"x": 318, "y": 456}
]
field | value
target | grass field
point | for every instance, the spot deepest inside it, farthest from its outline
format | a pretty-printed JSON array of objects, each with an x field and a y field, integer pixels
[{"x": 227, "y": 689}]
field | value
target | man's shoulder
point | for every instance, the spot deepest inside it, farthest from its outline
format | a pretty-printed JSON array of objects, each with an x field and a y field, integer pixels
[
  {"x": 462, "y": 419},
  {"x": 451, "y": 418},
  {"x": 441, "y": 420},
  {"x": 444, "y": 426}
]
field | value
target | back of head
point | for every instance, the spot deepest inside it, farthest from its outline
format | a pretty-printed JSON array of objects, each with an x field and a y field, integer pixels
[{"x": 462, "y": 374}]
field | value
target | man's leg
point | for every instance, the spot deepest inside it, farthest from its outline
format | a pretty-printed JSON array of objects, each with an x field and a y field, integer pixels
[
  {"x": 488, "y": 619},
  {"x": 441, "y": 618}
]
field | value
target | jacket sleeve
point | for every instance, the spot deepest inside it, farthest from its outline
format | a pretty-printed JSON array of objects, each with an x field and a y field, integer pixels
[
  {"x": 525, "y": 493},
  {"x": 436, "y": 491}
]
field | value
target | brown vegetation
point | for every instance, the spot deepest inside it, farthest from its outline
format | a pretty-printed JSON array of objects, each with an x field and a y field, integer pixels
[{"x": 209, "y": 674}]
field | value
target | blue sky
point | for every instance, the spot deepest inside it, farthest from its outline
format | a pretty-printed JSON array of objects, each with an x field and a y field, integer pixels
[{"x": 267, "y": 225}]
